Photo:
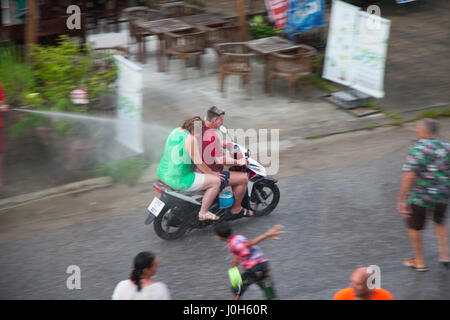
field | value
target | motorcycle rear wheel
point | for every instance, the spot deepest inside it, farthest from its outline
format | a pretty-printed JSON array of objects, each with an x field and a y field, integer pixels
[
  {"x": 167, "y": 226},
  {"x": 270, "y": 194}
]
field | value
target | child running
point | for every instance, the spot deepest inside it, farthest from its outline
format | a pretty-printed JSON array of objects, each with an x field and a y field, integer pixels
[{"x": 255, "y": 264}]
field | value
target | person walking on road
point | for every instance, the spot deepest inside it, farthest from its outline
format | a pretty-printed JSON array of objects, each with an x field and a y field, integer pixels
[
  {"x": 140, "y": 286},
  {"x": 425, "y": 186},
  {"x": 359, "y": 289}
]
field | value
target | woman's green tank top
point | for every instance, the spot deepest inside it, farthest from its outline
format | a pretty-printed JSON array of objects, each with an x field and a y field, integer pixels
[{"x": 175, "y": 167}]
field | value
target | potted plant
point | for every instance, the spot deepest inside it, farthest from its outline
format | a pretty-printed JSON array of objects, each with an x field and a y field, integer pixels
[
  {"x": 261, "y": 27},
  {"x": 56, "y": 71}
]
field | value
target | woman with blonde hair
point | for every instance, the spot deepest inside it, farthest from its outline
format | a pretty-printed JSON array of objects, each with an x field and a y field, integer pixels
[{"x": 183, "y": 150}]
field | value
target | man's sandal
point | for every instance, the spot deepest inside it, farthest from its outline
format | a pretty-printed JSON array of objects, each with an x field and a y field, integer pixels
[
  {"x": 243, "y": 213},
  {"x": 207, "y": 216},
  {"x": 410, "y": 263}
]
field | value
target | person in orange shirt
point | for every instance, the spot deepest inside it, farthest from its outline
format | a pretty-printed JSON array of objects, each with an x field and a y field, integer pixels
[
  {"x": 359, "y": 290},
  {"x": 3, "y": 108}
]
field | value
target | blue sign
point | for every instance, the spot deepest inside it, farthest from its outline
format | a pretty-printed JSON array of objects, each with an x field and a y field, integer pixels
[
  {"x": 404, "y": 1},
  {"x": 304, "y": 15}
]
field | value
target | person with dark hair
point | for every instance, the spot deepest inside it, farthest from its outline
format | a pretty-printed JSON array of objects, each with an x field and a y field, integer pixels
[
  {"x": 140, "y": 286},
  {"x": 254, "y": 262},
  {"x": 214, "y": 156},
  {"x": 426, "y": 186},
  {"x": 182, "y": 150}
]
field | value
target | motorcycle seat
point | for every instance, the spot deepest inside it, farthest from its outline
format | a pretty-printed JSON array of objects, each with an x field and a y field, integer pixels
[{"x": 161, "y": 184}]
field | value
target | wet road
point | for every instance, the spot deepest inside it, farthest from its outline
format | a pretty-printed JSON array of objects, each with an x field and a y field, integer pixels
[{"x": 335, "y": 221}]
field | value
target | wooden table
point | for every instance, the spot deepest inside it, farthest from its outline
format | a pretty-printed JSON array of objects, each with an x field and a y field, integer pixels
[
  {"x": 158, "y": 28},
  {"x": 203, "y": 20},
  {"x": 264, "y": 47}
]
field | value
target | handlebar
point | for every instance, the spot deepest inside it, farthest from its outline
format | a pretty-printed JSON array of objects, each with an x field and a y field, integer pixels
[{"x": 236, "y": 149}]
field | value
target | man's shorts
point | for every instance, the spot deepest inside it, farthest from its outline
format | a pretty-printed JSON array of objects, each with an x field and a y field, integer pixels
[
  {"x": 417, "y": 219},
  {"x": 224, "y": 183}
]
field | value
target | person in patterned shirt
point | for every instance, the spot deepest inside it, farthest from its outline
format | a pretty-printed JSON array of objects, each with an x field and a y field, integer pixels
[
  {"x": 253, "y": 261},
  {"x": 426, "y": 186}
]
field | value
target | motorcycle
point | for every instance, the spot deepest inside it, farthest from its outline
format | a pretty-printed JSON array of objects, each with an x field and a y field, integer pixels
[{"x": 176, "y": 212}]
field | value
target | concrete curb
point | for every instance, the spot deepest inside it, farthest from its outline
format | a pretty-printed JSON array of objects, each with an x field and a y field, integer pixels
[
  {"x": 377, "y": 120},
  {"x": 71, "y": 188}
]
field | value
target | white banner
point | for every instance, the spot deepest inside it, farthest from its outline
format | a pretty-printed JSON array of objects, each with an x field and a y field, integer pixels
[
  {"x": 341, "y": 39},
  {"x": 369, "y": 56},
  {"x": 129, "y": 104},
  {"x": 356, "y": 49}
]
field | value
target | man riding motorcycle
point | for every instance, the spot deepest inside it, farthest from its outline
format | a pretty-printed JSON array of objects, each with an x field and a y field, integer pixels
[{"x": 216, "y": 158}]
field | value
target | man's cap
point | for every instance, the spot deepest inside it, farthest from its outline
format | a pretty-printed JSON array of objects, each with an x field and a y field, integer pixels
[{"x": 216, "y": 111}]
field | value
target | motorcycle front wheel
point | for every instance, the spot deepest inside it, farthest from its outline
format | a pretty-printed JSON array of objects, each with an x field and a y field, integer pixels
[
  {"x": 168, "y": 226},
  {"x": 265, "y": 197}
]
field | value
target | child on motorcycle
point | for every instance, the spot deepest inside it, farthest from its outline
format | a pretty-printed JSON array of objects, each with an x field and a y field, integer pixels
[{"x": 255, "y": 264}]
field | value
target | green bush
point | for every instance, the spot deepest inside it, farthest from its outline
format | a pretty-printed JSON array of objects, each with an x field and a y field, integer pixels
[
  {"x": 59, "y": 69},
  {"x": 435, "y": 113},
  {"x": 259, "y": 28},
  {"x": 319, "y": 60},
  {"x": 54, "y": 72},
  {"x": 124, "y": 171},
  {"x": 16, "y": 75},
  {"x": 317, "y": 81}
]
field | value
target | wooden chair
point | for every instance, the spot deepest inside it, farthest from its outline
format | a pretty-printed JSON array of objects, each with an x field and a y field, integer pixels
[
  {"x": 184, "y": 45},
  {"x": 226, "y": 33},
  {"x": 180, "y": 9},
  {"x": 134, "y": 14},
  {"x": 234, "y": 58},
  {"x": 108, "y": 11},
  {"x": 291, "y": 65}
]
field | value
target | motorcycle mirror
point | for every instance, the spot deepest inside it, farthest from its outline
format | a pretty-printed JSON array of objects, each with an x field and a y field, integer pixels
[{"x": 223, "y": 129}]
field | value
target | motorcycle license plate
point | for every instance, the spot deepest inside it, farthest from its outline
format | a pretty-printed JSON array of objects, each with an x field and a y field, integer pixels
[{"x": 156, "y": 206}]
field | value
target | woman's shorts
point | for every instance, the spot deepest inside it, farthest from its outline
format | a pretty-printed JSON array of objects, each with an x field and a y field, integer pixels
[{"x": 198, "y": 182}]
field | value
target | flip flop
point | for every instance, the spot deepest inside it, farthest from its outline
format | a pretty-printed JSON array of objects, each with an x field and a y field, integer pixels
[
  {"x": 207, "y": 216},
  {"x": 410, "y": 264}
]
